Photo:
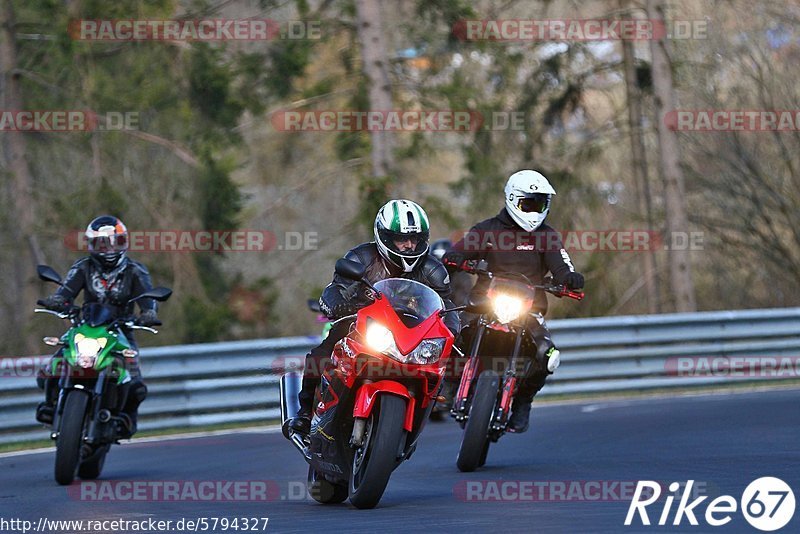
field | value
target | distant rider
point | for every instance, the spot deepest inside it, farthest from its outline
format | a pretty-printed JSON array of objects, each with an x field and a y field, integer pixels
[{"x": 516, "y": 240}]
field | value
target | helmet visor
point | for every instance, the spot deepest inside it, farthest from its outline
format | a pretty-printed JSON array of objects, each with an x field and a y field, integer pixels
[
  {"x": 104, "y": 243},
  {"x": 408, "y": 245},
  {"x": 535, "y": 203}
]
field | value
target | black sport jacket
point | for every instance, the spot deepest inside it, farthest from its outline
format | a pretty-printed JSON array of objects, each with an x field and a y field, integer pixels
[
  {"x": 507, "y": 248},
  {"x": 115, "y": 288},
  {"x": 428, "y": 271}
]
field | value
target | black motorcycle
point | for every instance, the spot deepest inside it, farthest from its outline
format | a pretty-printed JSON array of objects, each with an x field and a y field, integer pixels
[{"x": 482, "y": 403}]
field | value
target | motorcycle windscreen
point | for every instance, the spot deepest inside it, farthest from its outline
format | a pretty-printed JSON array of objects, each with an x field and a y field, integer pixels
[
  {"x": 96, "y": 314},
  {"x": 413, "y": 302}
]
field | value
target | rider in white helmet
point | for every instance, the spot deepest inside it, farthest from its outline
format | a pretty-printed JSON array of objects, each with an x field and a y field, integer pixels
[
  {"x": 528, "y": 196},
  {"x": 517, "y": 240}
]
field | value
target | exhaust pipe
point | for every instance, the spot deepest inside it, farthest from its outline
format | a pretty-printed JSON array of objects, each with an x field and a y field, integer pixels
[{"x": 290, "y": 384}]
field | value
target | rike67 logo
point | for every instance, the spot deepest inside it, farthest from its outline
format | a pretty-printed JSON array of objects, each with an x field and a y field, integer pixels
[{"x": 767, "y": 504}]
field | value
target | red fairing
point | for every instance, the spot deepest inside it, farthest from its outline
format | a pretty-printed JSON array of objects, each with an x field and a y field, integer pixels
[
  {"x": 406, "y": 338},
  {"x": 356, "y": 361},
  {"x": 365, "y": 399}
]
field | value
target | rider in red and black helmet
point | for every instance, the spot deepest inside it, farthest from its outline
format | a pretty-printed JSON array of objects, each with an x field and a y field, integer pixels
[
  {"x": 107, "y": 241},
  {"x": 109, "y": 277}
]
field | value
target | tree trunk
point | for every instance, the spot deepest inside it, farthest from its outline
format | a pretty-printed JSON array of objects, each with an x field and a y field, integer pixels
[
  {"x": 23, "y": 292},
  {"x": 376, "y": 70},
  {"x": 641, "y": 179},
  {"x": 680, "y": 273}
]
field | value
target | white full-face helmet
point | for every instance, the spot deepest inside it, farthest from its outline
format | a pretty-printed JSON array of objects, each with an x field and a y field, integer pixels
[{"x": 528, "y": 195}]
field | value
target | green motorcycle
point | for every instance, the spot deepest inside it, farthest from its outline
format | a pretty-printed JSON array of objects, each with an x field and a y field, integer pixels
[{"x": 92, "y": 383}]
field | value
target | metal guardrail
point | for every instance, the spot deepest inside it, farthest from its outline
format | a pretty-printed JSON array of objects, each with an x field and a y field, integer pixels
[{"x": 205, "y": 384}]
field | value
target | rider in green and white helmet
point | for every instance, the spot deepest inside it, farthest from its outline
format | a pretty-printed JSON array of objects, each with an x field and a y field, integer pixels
[
  {"x": 400, "y": 250},
  {"x": 402, "y": 231}
]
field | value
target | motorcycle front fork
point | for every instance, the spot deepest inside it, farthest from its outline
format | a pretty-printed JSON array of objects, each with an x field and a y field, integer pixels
[
  {"x": 470, "y": 375},
  {"x": 103, "y": 401}
]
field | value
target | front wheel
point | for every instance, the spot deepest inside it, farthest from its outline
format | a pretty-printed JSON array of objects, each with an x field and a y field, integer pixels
[
  {"x": 472, "y": 453},
  {"x": 325, "y": 491},
  {"x": 374, "y": 461},
  {"x": 91, "y": 467},
  {"x": 68, "y": 444}
]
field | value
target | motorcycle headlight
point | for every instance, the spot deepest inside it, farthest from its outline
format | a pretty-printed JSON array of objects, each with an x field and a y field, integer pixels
[
  {"x": 507, "y": 308},
  {"x": 379, "y": 337},
  {"x": 88, "y": 349},
  {"x": 429, "y": 351}
]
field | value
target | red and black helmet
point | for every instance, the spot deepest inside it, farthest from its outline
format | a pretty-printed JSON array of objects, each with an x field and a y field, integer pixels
[{"x": 107, "y": 240}]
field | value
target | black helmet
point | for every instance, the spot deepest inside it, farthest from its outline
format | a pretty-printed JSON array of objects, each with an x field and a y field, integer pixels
[
  {"x": 107, "y": 240},
  {"x": 440, "y": 247}
]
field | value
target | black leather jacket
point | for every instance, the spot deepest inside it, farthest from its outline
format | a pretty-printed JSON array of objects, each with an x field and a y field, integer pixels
[
  {"x": 115, "y": 288},
  {"x": 429, "y": 271},
  {"x": 507, "y": 248}
]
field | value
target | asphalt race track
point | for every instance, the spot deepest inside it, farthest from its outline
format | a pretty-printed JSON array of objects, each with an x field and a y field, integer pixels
[{"x": 722, "y": 441}]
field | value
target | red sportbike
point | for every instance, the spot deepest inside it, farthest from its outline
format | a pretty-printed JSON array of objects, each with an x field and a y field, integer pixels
[{"x": 376, "y": 395}]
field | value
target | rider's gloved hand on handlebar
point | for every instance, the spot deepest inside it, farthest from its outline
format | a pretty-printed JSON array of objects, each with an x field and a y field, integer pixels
[
  {"x": 343, "y": 309},
  {"x": 148, "y": 318},
  {"x": 55, "y": 302},
  {"x": 574, "y": 280},
  {"x": 453, "y": 257}
]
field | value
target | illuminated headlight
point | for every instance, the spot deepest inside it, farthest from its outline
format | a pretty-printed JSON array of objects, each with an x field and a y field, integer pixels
[
  {"x": 88, "y": 349},
  {"x": 429, "y": 351},
  {"x": 507, "y": 308},
  {"x": 379, "y": 337}
]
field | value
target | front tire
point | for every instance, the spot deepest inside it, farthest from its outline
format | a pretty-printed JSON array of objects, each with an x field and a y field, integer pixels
[
  {"x": 91, "y": 468},
  {"x": 374, "y": 462},
  {"x": 472, "y": 453},
  {"x": 324, "y": 491},
  {"x": 68, "y": 444}
]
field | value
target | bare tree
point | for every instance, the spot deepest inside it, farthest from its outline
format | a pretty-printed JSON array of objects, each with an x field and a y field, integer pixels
[
  {"x": 680, "y": 274},
  {"x": 376, "y": 70},
  {"x": 23, "y": 292},
  {"x": 640, "y": 175}
]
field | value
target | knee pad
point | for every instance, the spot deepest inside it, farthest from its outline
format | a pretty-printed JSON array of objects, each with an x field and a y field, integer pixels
[{"x": 138, "y": 391}]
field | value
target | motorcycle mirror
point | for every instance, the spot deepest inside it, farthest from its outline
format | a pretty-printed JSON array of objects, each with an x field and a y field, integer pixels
[
  {"x": 350, "y": 269},
  {"x": 313, "y": 305},
  {"x": 444, "y": 312},
  {"x": 479, "y": 304},
  {"x": 157, "y": 293},
  {"x": 48, "y": 274}
]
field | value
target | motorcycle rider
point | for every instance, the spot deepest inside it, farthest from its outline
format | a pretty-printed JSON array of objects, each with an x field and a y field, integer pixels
[
  {"x": 517, "y": 240},
  {"x": 109, "y": 277},
  {"x": 400, "y": 250}
]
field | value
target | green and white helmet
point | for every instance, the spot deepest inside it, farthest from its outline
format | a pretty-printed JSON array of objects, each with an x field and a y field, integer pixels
[{"x": 402, "y": 220}]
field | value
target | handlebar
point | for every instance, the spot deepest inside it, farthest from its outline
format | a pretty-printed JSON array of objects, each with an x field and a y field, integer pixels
[
  {"x": 131, "y": 325},
  {"x": 480, "y": 267},
  {"x": 128, "y": 322}
]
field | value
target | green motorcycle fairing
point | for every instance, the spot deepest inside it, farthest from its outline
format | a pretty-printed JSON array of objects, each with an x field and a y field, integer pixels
[{"x": 115, "y": 342}]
